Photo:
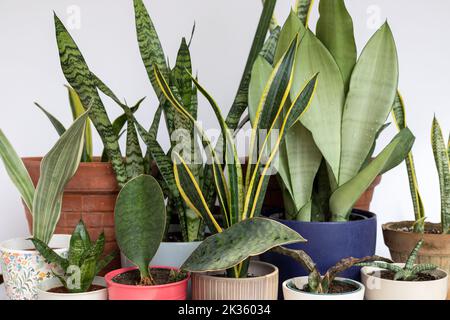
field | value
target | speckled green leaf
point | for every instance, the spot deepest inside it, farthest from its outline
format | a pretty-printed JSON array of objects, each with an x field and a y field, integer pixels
[
  {"x": 140, "y": 218},
  {"x": 79, "y": 243},
  {"x": 50, "y": 255},
  {"x": 245, "y": 239},
  {"x": 443, "y": 167},
  {"x": 270, "y": 46},
  {"x": 181, "y": 74},
  {"x": 80, "y": 78}
]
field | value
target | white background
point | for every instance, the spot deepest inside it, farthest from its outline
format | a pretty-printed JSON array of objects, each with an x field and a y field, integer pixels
[{"x": 30, "y": 71}]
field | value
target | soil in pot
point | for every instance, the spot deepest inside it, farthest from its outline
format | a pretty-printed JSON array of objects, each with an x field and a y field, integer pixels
[
  {"x": 62, "y": 289},
  {"x": 430, "y": 228},
  {"x": 337, "y": 287},
  {"x": 389, "y": 275},
  {"x": 161, "y": 277}
]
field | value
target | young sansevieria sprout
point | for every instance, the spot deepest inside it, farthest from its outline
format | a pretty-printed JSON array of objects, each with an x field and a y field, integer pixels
[
  {"x": 410, "y": 271},
  {"x": 241, "y": 234}
]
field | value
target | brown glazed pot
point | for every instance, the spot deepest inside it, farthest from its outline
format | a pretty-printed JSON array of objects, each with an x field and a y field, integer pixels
[
  {"x": 90, "y": 195},
  {"x": 263, "y": 285},
  {"x": 435, "y": 249}
]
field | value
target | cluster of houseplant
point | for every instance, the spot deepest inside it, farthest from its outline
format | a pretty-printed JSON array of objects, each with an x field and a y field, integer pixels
[{"x": 178, "y": 219}]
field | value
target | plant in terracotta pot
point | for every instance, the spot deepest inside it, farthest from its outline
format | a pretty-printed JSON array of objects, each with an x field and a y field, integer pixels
[
  {"x": 404, "y": 281},
  {"x": 400, "y": 237},
  {"x": 79, "y": 280},
  {"x": 326, "y": 162},
  {"x": 140, "y": 223},
  {"x": 239, "y": 232},
  {"x": 326, "y": 287},
  {"x": 22, "y": 266}
]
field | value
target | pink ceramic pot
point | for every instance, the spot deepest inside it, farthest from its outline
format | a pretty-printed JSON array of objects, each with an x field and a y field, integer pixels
[{"x": 171, "y": 291}]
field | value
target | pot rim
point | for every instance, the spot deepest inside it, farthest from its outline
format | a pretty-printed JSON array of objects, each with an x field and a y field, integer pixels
[
  {"x": 389, "y": 226},
  {"x": 97, "y": 161},
  {"x": 110, "y": 275},
  {"x": 181, "y": 243},
  {"x": 274, "y": 272},
  {"x": 365, "y": 270},
  {"x": 359, "y": 284},
  {"x": 369, "y": 216},
  {"x": 72, "y": 294},
  {"x": 24, "y": 240}
]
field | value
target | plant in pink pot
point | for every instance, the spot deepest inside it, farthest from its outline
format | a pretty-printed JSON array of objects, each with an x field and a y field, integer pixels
[{"x": 140, "y": 218}]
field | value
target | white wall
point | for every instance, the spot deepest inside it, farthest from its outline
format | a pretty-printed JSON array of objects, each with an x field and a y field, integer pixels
[{"x": 29, "y": 71}]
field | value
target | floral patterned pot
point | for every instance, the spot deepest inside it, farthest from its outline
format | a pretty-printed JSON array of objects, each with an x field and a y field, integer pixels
[
  {"x": 23, "y": 267},
  {"x": 48, "y": 284}
]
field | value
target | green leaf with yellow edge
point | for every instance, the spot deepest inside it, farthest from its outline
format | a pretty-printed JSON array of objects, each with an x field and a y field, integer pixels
[{"x": 303, "y": 9}]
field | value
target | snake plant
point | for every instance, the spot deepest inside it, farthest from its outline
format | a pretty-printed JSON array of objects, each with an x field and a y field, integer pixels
[
  {"x": 409, "y": 272},
  {"x": 57, "y": 168},
  {"x": 317, "y": 283},
  {"x": 325, "y": 162},
  {"x": 240, "y": 198},
  {"x": 441, "y": 153},
  {"x": 84, "y": 260}
]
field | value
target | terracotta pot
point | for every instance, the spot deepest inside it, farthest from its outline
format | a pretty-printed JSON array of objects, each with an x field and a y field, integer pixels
[
  {"x": 46, "y": 285},
  {"x": 364, "y": 201},
  {"x": 90, "y": 195},
  {"x": 435, "y": 249},
  {"x": 290, "y": 292},
  {"x": 384, "y": 289},
  {"x": 263, "y": 285},
  {"x": 171, "y": 291}
]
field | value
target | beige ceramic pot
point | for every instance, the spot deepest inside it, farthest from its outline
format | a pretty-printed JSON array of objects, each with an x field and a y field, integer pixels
[
  {"x": 262, "y": 285},
  {"x": 290, "y": 291},
  {"x": 383, "y": 289},
  {"x": 435, "y": 249}
]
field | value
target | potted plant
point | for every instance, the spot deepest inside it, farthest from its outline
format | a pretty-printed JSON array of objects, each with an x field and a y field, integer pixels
[
  {"x": 326, "y": 160},
  {"x": 79, "y": 280},
  {"x": 140, "y": 222},
  {"x": 223, "y": 259},
  {"x": 22, "y": 266},
  {"x": 404, "y": 281},
  {"x": 400, "y": 237},
  {"x": 318, "y": 287}
]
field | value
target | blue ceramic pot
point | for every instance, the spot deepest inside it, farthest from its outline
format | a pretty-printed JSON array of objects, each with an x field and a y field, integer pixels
[{"x": 329, "y": 242}]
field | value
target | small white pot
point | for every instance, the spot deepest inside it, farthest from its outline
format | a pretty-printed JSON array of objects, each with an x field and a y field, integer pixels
[
  {"x": 294, "y": 294},
  {"x": 23, "y": 267},
  {"x": 48, "y": 284},
  {"x": 171, "y": 254},
  {"x": 383, "y": 289}
]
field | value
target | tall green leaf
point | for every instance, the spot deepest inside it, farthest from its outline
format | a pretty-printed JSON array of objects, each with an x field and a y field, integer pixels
[
  {"x": 373, "y": 87},
  {"x": 343, "y": 199},
  {"x": 59, "y": 127},
  {"x": 335, "y": 31},
  {"x": 260, "y": 75},
  {"x": 303, "y": 10},
  {"x": 323, "y": 119},
  {"x": 16, "y": 171},
  {"x": 443, "y": 167},
  {"x": 57, "y": 168},
  {"x": 81, "y": 79},
  {"x": 291, "y": 28},
  {"x": 140, "y": 218},
  {"x": 234, "y": 245}
]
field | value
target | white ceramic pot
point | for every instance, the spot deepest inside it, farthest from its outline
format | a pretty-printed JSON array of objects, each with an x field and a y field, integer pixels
[
  {"x": 48, "y": 284},
  {"x": 290, "y": 293},
  {"x": 383, "y": 289},
  {"x": 23, "y": 267},
  {"x": 171, "y": 254}
]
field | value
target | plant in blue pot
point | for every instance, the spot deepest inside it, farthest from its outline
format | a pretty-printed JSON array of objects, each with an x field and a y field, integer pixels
[{"x": 327, "y": 159}]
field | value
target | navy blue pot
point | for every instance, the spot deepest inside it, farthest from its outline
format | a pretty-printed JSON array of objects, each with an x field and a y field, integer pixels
[{"x": 329, "y": 242}]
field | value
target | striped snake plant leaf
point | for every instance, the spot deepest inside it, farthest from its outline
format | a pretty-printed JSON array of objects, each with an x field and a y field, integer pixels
[
  {"x": 409, "y": 264},
  {"x": 140, "y": 218},
  {"x": 399, "y": 115},
  {"x": 240, "y": 102},
  {"x": 270, "y": 46},
  {"x": 59, "y": 127},
  {"x": 443, "y": 168},
  {"x": 335, "y": 31},
  {"x": 134, "y": 161},
  {"x": 260, "y": 75},
  {"x": 245, "y": 239},
  {"x": 273, "y": 20},
  {"x": 323, "y": 119},
  {"x": 16, "y": 171},
  {"x": 303, "y": 9},
  {"x": 373, "y": 87},
  {"x": 291, "y": 28},
  {"x": 77, "y": 110},
  {"x": 181, "y": 75},
  {"x": 57, "y": 168},
  {"x": 343, "y": 199},
  {"x": 49, "y": 254},
  {"x": 80, "y": 78},
  {"x": 191, "y": 192}
]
